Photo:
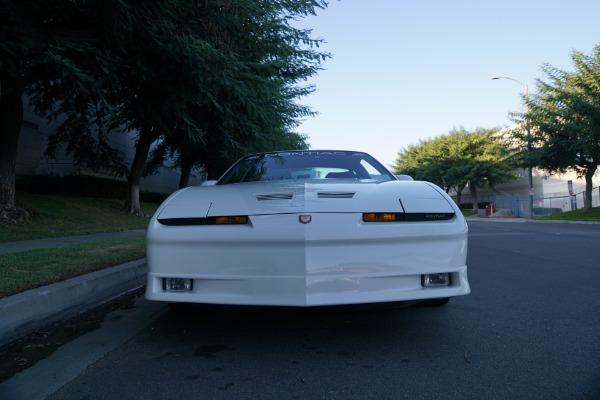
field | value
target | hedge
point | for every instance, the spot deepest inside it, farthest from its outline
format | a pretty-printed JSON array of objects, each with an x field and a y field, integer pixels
[{"x": 81, "y": 185}]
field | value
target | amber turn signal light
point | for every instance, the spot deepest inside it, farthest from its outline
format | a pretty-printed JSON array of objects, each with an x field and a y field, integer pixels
[
  {"x": 382, "y": 217},
  {"x": 232, "y": 220}
]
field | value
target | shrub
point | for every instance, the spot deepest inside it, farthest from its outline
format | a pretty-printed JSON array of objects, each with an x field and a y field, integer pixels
[{"x": 81, "y": 185}]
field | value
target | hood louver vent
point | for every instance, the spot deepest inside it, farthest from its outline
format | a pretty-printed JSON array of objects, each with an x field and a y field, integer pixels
[
  {"x": 274, "y": 196},
  {"x": 335, "y": 195}
]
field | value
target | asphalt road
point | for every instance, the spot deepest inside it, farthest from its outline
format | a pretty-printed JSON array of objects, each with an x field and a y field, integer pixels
[{"x": 530, "y": 329}]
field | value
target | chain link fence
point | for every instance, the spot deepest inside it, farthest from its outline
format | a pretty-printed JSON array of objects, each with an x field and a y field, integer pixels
[{"x": 517, "y": 205}]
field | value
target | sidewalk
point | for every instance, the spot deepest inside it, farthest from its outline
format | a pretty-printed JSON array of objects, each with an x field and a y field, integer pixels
[
  {"x": 496, "y": 219},
  {"x": 24, "y": 313},
  {"x": 475, "y": 218},
  {"x": 25, "y": 245}
]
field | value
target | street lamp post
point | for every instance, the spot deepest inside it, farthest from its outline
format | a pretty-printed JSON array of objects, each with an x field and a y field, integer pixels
[{"x": 530, "y": 167}]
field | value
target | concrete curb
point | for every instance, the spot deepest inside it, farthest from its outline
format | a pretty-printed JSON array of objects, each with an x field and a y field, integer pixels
[
  {"x": 493, "y": 219},
  {"x": 24, "y": 313}
]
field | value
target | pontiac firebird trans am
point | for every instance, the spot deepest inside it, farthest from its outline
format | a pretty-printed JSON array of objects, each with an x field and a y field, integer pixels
[{"x": 307, "y": 228}]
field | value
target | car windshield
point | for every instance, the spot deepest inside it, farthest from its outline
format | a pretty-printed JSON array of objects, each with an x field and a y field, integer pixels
[{"x": 285, "y": 165}]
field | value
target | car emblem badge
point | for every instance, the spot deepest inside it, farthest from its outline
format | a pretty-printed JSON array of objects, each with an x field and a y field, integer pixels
[{"x": 305, "y": 219}]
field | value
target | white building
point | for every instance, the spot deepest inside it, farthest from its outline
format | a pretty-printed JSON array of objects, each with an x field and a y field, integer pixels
[{"x": 550, "y": 193}]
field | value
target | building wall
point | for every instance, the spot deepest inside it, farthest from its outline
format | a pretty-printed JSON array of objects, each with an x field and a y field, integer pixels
[
  {"x": 33, "y": 140},
  {"x": 549, "y": 192}
]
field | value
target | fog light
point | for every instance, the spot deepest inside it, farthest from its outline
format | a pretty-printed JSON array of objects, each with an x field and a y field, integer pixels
[
  {"x": 430, "y": 280},
  {"x": 178, "y": 284}
]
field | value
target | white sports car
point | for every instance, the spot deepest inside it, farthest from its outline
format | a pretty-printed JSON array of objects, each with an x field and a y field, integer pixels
[{"x": 307, "y": 228}]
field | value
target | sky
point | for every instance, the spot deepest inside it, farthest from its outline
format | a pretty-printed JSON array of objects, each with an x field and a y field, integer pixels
[{"x": 403, "y": 71}]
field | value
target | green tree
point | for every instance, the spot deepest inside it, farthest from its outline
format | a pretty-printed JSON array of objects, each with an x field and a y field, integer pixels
[
  {"x": 143, "y": 68},
  {"x": 210, "y": 155},
  {"x": 458, "y": 159},
  {"x": 40, "y": 41},
  {"x": 564, "y": 120},
  {"x": 486, "y": 162},
  {"x": 165, "y": 73},
  {"x": 225, "y": 140},
  {"x": 185, "y": 72},
  {"x": 254, "y": 102},
  {"x": 423, "y": 161}
]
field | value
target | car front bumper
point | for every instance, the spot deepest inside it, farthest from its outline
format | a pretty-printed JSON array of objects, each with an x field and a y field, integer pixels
[{"x": 336, "y": 259}]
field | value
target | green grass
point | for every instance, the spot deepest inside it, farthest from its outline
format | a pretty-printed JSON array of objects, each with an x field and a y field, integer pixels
[
  {"x": 576, "y": 215},
  {"x": 469, "y": 213},
  {"x": 55, "y": 216},
  {"x": 32, "y": 269}
]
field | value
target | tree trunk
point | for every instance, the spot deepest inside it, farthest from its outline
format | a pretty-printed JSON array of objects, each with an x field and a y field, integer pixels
[
  {"x": 147, "y": 136},
  {"x": 473, "y": 192},
  {"x": 459, "y": 195},
  {"x": 589, "y": 187},
  {"x": 11, "y": 116},
  {"x": 186, "y": 171}
]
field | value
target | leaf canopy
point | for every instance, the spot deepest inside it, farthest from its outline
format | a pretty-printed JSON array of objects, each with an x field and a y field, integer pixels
[
  {"x": 562, "y": 124},
  {"x": 453, "y": 159}
]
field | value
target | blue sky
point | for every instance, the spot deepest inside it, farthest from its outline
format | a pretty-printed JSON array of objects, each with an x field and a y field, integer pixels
[{"x": 408, "y": 70}]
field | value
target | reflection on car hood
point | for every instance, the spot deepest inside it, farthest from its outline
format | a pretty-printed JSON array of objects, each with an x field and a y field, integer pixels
[{"x": 255, "y": 198}]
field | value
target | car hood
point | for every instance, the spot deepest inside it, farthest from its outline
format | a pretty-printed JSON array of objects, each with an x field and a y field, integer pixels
[{"x": 260, "y": 198}]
